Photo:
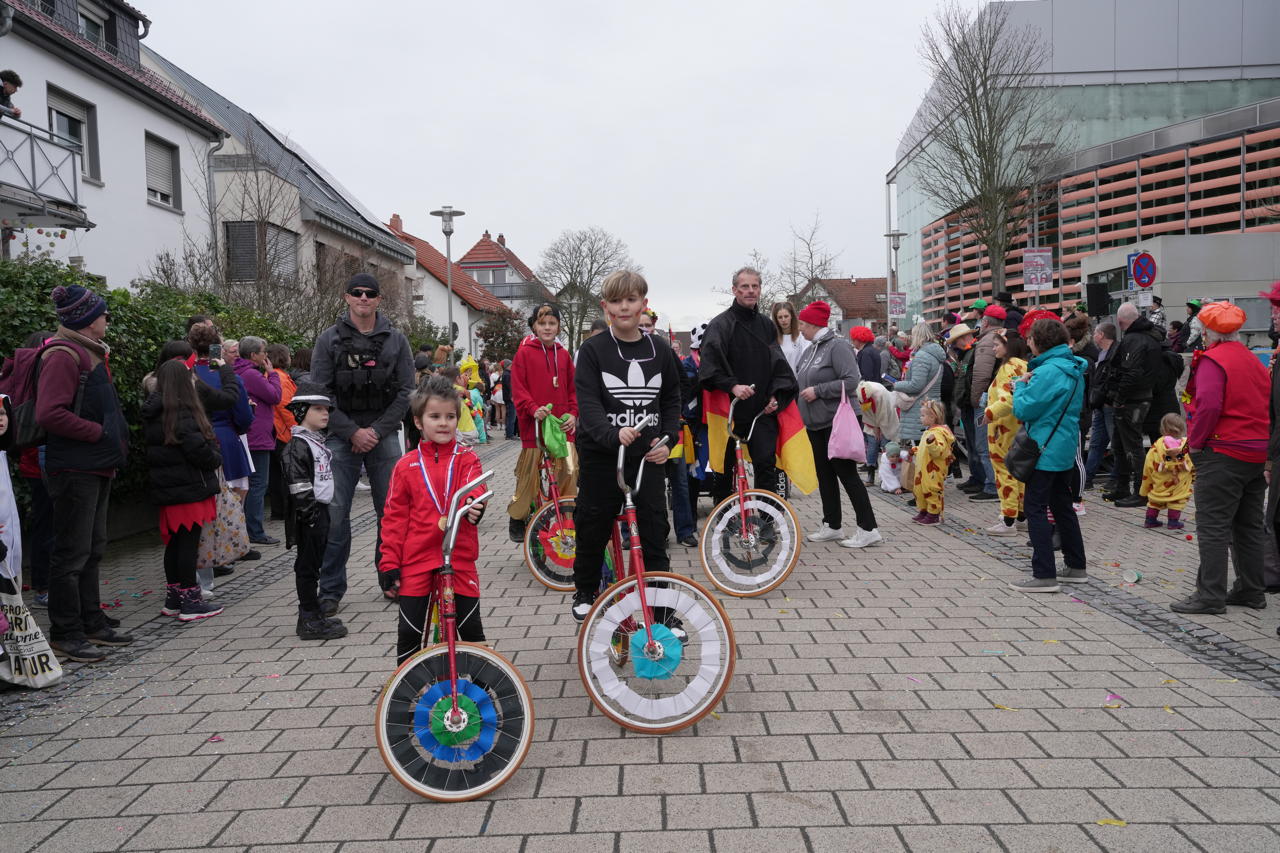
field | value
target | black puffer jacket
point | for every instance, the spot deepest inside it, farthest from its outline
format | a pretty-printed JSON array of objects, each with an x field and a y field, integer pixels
[
  {"x": 182, "y": 473},
  {"x": 1137, "y": 367}
]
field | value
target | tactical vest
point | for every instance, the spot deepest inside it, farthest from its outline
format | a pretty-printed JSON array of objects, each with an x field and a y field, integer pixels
[{"x": 361, "y": 383}]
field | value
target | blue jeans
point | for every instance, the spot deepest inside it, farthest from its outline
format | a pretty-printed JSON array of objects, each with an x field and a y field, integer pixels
[
  {"x": 681, "y": 509},
  {"x": 346, "y": 472},
  {"x": 977, "y": 472},
  {"x": 511, "y": 419},
  {"x": 257, "y": 491},
  {"x": 1104, "y": 423},
  {"x": 983, "y": 453}
]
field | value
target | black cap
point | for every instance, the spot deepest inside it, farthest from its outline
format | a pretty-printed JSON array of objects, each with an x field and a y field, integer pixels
[
  {"x": 364, "y": 280},
  {"x": 533, "y": 316}
]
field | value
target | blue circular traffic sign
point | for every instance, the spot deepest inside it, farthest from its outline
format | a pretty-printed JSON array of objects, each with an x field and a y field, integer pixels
[{"x": 1144, "y": 269}]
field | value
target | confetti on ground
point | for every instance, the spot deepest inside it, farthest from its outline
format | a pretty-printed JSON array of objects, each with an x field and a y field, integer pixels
[
  {"x": 913, "y": 678},
  {"x": 1179, "y": 570},
  {"x": 1188, "y": 537},
  {"x": 784, "y": 611},
  {"x": 274, "y": 675},
  {"x": 1227, "y": 680},
  {"x": 786, "y": 598},
  {"x": 1169, "y": 710},
  {"x": 1170, "y": 681},
  {"x": 716, "y": 715},
  {"x": 993, "y": 651},
  {"x": 842, "y": 616},
  {"x": 1110, "y": 821},
  {"x": 1003, "y": 707},
  {"x": 1051, "y": 641},
  {"x": 1116, "y": 697},
  {"x": 1113, "y": 705}
]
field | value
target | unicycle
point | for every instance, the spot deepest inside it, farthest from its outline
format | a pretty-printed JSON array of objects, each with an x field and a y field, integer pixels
[
  {"x": 656, "y": 651},
  {"x": 456, "y": 719},
  {"x": 550, "y": 541},
  {"x": 750, "y": 542}
]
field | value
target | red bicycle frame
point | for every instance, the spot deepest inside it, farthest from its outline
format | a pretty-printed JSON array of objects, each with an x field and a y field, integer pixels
[
  {"x": 740, "y": 469},
  {"x": 552, "y": 491},
  {"x": 456, "y": 720},
  {"x": 626, "y": 520}
]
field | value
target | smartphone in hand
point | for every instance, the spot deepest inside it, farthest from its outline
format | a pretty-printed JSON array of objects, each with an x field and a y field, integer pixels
[{"x": 215, "y": 352}]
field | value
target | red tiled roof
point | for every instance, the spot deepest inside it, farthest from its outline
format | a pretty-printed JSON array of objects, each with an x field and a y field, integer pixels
[
  {"x": 490, "y": 252},
  {"x": 144, "y": 76},
  {"x": 855, "y": 296},
  {"x": 470, "y": 290}
]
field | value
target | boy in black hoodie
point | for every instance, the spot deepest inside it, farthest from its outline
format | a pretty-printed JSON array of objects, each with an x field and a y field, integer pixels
[{"x": 623, "y": 379}]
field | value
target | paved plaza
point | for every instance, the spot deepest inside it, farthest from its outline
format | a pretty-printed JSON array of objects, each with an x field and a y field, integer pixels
[{"x": 897, "y": 698}]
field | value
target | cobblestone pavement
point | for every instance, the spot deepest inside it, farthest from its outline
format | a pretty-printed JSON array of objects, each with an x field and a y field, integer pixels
[{"x": 898, "y": 698}]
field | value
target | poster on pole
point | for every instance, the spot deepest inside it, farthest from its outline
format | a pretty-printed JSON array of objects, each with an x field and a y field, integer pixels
[
  {"x": 1037, "y": 269},
  {"x": 897, "y": 304}
]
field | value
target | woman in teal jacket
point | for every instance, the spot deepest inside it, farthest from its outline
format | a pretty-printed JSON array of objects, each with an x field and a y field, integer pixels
[{"x": 1048, "y": 399}]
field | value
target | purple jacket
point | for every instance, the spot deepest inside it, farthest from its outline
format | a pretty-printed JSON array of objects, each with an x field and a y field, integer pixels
[{"x": 265, "y": 391}]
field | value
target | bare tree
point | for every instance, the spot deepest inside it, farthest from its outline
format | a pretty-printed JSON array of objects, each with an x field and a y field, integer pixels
[
  {"x": 574, "y": 266},
  {"x": 809, "y": 259},
  {"x": 987, "y": 129}
]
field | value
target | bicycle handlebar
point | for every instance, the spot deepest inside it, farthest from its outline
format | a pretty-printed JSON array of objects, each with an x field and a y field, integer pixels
[
  {"x": 456, "y": 511},
  {"x": 651, "y": 420},
  {"x": 733, "y": 401}
]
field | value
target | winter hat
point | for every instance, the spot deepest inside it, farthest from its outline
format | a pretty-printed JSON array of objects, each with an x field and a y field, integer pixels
[
  {"x": 1194, "y": 303},
  {"x": 538, "y": 309},
  {"x": 995, "y": 312},
  {"x": 1222, "y": 317},
  {"x": 77, "y": 306},
  {"x": 816, "y": 313},
  {"x": 978, "y": 305},
  {"x": 695, "y": 336},
  {"x": 364, "y": 280},
  {"x": 1039, "y": 314},
  {"x": 308, "y": 394},
  {"x": 1004, "y": 296},
  {"x": 861, "y": 333},
  {"x": 1274, "y": 295}
]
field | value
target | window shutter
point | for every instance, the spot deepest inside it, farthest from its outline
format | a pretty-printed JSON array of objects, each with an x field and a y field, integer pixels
[
  {"x": 159, "y": 168},
  {"x": 282, "y": 251},
  {"x": 242, "y": 251},
  {"x": 68, "y": 107}
]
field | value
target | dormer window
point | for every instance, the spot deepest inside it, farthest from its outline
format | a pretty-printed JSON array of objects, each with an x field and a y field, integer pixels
[{"x": 93, "y": 24}]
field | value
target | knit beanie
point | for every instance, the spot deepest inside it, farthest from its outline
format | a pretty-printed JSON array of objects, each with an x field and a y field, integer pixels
[
  {"x": 816, "y": 313},
  {"x": 77, "y": 306}
]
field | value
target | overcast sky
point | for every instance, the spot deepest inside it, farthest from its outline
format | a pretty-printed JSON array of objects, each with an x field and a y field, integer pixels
[{"x": 694, "y": 131}]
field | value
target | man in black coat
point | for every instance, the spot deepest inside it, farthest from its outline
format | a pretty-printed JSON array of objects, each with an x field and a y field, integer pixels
[
  {"x": 741, "y": 357},
  {"x": 1137, "y": 367}
]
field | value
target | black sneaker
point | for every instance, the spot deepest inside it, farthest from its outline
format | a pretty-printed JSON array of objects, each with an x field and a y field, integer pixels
[
  {"x": 328, "y": 607},
  {"x": 1239, "y": 599},
  {"x": 690, "y": 541},
  {"x": 1111, "y": 497},
  {"x": 313, "y": 626},
  {"x": 111, "y": 621},
  {"x": 582, "y": 602},
  {"x": 515, "y": 529},
  {"x": 984, "y": 497},
  {"x": 251, "y": 555},
  {"x": 1191, "y": 604},
  {"x": 77, "y": 650},
  {"x": 265, "y": 540},
  {"x": 1130, "y": 501},
  {"x": 970, "y": 488},
  {"x": 222, "y": 571},
  {"x": 111, "y": 637}
]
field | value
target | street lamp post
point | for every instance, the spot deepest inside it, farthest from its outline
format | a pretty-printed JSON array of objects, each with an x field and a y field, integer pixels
[
  {"x": 895, "y": 240},
  {"x": 446, "y": 214}
]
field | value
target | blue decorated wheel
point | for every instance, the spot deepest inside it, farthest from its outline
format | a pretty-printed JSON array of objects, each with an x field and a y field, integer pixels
[{"x": 453, "y": 755}]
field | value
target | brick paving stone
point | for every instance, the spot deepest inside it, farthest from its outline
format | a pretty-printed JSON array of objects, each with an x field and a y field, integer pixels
[
  {"x": 948, "y": 839},
  {"x": 270, "y": 826},
  {"x": 884, "y": 807},
  {"x": 422, "y": 820},
  {"x": 1147, "y": 837},
  {"x": 1060, "y": 838},
  {"x": 788, "y": 808},
  {"x": 685, "y": 841},
  {"x": 168, "y": 831},
  {"x": 175, "y": 797},
  {"x": 960, "y": 807},
  {"x": 758, "y": 840},
  {"x": 544, "y": 815},
  {"x": 1234, "y": 805},
  {"x": 708, "y": 811},
  {"x": 256, "y": 794},
  {"x": 730, "y": 778},
  {"x": 92, "y": 835},
  {"x": 606, "y": 814}
]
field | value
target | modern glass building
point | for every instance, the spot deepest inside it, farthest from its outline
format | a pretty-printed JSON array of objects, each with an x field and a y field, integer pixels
[{"x": 1174, "y": 117}]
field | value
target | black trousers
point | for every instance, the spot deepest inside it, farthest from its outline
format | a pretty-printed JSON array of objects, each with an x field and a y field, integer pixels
[
  {"x": 312, "y": 540},
  {"x": 1230, "y": 499},
  {"x": 598, "y": 504},
  {"x": 276, "y": 490},
  {"x": 413, "y": 612},
  {"x": 180, "y": 556},
  {"x": 1127, "y": 446},
  {"x": 1052, "y": 490},
  {"x": 80, "y": 504},
  {"x": 834, "y": 473},
  {"x": 763, "y": 447}
]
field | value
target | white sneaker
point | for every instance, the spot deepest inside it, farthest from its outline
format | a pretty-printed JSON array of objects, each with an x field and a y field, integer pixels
[
  {"x": 1079, "y": 508},
  {"x": 862, "y": 539},
  {"x": 1001, "y": 529},
  {"x": 826, "y": 533},
  {"x": 1021, "y": 526}
]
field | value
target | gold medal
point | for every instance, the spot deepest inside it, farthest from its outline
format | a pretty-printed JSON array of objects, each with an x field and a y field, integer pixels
[{"x": 443, "y": 522}]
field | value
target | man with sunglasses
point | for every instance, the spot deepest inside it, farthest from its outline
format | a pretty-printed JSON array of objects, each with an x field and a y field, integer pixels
[{"x": 366, "y": 367}]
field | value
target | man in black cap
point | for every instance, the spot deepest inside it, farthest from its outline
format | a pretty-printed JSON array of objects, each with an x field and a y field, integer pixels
[
  {"x": 1012, "y": 313},
  {"x": 366, "y": 367}
]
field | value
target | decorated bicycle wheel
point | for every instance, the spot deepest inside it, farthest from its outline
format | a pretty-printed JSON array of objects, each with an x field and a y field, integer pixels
[
  {"x": 672, "y": 683},
  {"x": 751, "y": 559},
  {"x": 550, "y": 545},
  {"x": 447, "y": 758}
]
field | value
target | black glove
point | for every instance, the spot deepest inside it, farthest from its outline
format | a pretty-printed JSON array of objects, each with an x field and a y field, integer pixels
[
  {"x": 387, "y": 580},
  {"x": 478, "y": 520}
]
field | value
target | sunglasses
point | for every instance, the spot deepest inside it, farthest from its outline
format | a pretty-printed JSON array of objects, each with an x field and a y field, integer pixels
[
  {"x": 361, "y": 293},
  {"x": 107, "y": 316}
]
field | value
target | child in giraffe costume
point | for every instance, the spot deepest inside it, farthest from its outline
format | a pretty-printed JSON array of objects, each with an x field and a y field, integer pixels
[
  {"x": 1002, "y": 426},
  {"x": 932, "y": 461},
  {"x": 1169, "y": 473}
]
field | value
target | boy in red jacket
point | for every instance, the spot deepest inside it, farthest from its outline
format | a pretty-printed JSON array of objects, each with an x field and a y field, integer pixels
[
  {"x": 541, "y": 384},
  {"x": 413, "y": 520}
]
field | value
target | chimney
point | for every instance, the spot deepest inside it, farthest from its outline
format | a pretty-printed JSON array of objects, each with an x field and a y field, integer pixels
[
  {"x": 502, "y": 241},
  {"x": 486, "y": 234},
  {"x": 397, "y": 224}
]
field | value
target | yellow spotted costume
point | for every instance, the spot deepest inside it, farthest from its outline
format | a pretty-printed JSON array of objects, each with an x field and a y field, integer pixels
[
  {"x": 932, "y": 461},
  {"x": 1002, "y": 426},
  {"x": 1168, "y": 475}
]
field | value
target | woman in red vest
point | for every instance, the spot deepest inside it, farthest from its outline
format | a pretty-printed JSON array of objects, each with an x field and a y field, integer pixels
[{"x": 1230, "y": 426}]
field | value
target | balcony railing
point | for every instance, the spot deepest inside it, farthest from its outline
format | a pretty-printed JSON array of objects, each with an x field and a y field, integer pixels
[{"x": 39, "y": 175}]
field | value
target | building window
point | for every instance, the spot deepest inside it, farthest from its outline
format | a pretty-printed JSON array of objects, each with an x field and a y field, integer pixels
[
  {"x": 500, "y": 276},
  {"x": 92, "y": 24},
  {"x": 481, "y": 276},
  {"x": 162, "y": 172},
  {"x": 260, "y": 250},
  {"x": 75, "y": 122}
]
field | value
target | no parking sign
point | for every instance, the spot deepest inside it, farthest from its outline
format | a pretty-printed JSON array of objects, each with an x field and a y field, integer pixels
[{"x": 1142, "y": 269}]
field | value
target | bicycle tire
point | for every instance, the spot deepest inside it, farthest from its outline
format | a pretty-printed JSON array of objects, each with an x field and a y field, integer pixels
[
  {"x": 737, "y": 572},
  {"x": 549, "y": 549},
  {"x": 468, "y": 769},
  {"x": 692, "y": 690}
]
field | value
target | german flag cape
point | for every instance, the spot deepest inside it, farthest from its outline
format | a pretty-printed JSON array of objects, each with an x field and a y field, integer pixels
[{"x": 794, "y": 453}]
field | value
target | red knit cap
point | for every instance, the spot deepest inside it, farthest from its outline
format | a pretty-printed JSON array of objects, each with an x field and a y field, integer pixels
[
  {"x": 1039, "y": 314},
  {"x": 995, "y": 312},
  {"x": 816, "y": 313},
  {"x": 862, "y": 333}
]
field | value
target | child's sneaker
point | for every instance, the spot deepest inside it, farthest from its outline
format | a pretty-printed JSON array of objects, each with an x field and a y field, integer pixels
[
  {"x": 1001, "y": 529},
  {"x": 582, "y": 602},
  {"x": 1155, "y": 522},
  {"x": 195, "y": 607},
  {"x": 313, "y": 626},
  {"x": 1176, "y": 525},
  {"x": 172, "y": 600},
  {"x": 930, "y": 518},
  {"x": 919, "y": 516}
]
